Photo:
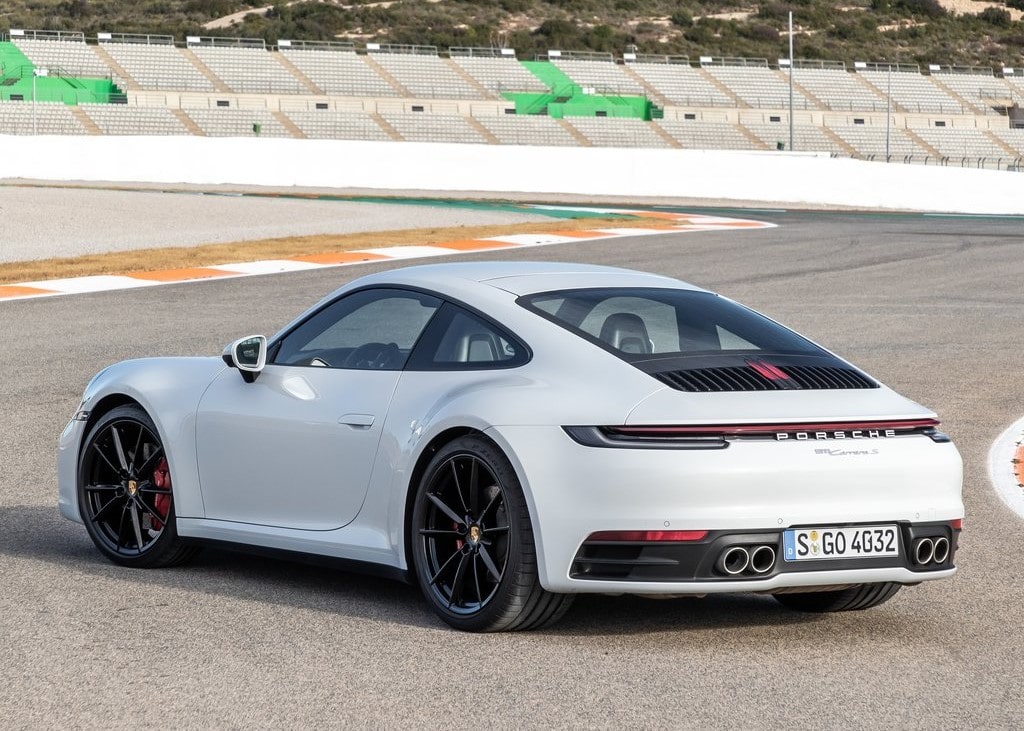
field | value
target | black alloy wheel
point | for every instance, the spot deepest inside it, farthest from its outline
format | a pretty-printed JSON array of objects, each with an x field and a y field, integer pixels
[
  {"x": 473, "y": 545},
  {"x": 125, "y": 491}
]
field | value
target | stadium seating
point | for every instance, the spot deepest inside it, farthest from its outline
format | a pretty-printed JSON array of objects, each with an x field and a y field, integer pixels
[
  {"x": 155, "y": 64},
  {"x": 333, "y": 125},
  {"x": 66, "y": 53},
  {"x": 237, "y": 123},
  {"x": 245, "y": 66},
  {"x": 946, "y": 116},
  {"x": 836, "y": 88},
  {"x": 910, "y": 91},
  {"x": 116, "y": 119},
  {"x": 758, "y": 86},
  {"x": 498, "y": 73},
  {"x": 420, "y": 70},
  {"x": 518, "y": 129},
  {"x": 806, "y": 137},
  {"x": 596, "y": 71},
  {"x": 336, "y": 69},
  {"x": 678, "y": 82},
  {"x": 869, "y": 142},
  {"x": 1012, "y": 137},
  {"x": 702, "y": 135},
  {"x": 959, "y": 143},
  {"x": 979, "y": 88},
  {"x": 46, "y": 118},
  {"x": 420, "y": 127},
  {"x": 617, "y": 132}
]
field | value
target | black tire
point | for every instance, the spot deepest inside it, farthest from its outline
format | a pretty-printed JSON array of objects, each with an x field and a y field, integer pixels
[
  {"x": 472, "y": 543},
  {"x": 125, "y": 492},
  {"x": 855, "y": 598}
]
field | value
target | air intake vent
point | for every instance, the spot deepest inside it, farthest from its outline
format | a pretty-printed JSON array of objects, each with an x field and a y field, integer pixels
[{"x": 755, "y": 377}]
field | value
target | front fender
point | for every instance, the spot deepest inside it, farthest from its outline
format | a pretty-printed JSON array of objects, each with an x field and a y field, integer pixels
[{"x": 169, "y": 389}]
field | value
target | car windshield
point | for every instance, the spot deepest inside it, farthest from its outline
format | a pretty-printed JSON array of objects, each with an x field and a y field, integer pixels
[{"x": 643, "y": 324}]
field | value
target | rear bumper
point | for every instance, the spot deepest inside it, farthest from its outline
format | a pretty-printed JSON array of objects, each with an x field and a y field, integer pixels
[{"x": 751, "y": 488}]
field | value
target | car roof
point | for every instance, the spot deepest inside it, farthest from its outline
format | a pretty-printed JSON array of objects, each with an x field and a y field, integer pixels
[{"x": 521, "y": 278}]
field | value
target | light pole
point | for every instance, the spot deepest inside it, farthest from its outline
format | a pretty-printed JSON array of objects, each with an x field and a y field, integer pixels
[
  {"x": 36, "y": 73},
  {"x": 888, "y": 110},
  {"x": 790, "y": 80}
]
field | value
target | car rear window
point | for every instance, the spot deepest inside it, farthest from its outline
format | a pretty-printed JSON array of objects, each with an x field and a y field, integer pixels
[{"x": 645, "y": 324}]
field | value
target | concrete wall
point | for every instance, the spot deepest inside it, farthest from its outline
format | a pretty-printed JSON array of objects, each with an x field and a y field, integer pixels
[{"x": 787, "y": 178}]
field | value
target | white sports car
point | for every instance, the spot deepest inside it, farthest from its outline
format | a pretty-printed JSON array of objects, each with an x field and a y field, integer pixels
[{"x": 508, "y": 435}]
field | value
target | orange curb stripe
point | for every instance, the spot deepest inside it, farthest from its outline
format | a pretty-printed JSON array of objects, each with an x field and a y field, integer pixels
[
  {"x": 179, "y": 275},
  {"x": 339, "y": 257},
  {"x": 13, "y": 290},
  {"x": 1018, "y": 467},
  {"x": 473, "y": 245}
]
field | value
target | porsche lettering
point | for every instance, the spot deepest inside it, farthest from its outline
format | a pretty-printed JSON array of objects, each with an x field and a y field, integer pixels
[{"x": 806, "y": 436}]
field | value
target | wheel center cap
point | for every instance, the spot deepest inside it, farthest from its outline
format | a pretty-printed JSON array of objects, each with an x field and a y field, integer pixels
[
  {"x": 474, "y": 534},
  {"x": 133, "y": 487}
]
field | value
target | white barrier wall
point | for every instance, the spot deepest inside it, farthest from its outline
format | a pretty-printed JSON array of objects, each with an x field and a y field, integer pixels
[{"x": 787, "y": 178}]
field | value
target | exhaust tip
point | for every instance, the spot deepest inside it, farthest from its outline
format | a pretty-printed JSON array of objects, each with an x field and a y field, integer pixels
[
  {"x": 940, "y": 550},
  {"x": 762, "y": 559},
  {"x": 924, "y": 551},
  {"x": 734, "y": 560}
]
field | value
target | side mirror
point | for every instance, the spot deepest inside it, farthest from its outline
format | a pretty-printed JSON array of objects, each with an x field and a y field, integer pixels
[{"x": 248, "y": 355}]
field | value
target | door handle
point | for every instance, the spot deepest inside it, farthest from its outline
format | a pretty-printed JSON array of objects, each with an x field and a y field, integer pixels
[{"x": 359, "y": 421}]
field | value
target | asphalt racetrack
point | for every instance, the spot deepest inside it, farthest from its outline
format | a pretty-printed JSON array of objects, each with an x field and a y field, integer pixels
[{"x": 933, "y": 306}]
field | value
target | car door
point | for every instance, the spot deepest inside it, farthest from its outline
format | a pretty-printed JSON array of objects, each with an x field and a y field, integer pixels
[{"x": 295, "y": 448}]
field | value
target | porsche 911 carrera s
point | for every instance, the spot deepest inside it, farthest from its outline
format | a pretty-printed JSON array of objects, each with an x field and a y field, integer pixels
[{"x": 508, "y": 435}]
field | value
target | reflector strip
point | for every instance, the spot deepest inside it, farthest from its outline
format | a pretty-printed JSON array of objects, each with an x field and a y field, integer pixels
[
  {"x": 649, "y": 536},
  {"x": 957, "y": 524}
]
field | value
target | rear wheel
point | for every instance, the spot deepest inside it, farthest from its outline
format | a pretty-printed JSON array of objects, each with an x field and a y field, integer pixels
[
  {"x": 125, "y": 491},
  {"x": 862, "y": 596},
  {"x": 473, "y": 546}
]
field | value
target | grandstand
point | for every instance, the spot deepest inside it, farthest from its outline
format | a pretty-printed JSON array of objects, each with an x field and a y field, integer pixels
[
  {"x": 123, "y": 84},
  {"x": 153, "y": 62}
]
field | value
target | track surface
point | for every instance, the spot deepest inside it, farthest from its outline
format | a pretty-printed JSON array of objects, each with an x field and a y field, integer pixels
[{"x": 932, "y": 306}]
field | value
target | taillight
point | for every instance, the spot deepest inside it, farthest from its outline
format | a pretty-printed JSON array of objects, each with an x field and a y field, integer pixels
[{"x": 649, "y": 536}]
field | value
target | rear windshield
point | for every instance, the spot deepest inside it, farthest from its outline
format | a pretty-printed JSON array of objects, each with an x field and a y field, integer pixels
[{"x": 644, "y": 324}]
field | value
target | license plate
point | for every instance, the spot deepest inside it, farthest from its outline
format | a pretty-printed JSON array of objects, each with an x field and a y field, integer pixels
[{"x": 866, "y": 541}]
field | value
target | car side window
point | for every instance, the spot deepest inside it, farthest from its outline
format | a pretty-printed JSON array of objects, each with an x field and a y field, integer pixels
[
  {"x": 460, "y": 340},
  {"x": 372, "y": 329}
]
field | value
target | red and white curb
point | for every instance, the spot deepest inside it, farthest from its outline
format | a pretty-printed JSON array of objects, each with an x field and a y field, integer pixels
[
  {"x": 662, "y": 223},
  {"x": 1006, "y": 467}
]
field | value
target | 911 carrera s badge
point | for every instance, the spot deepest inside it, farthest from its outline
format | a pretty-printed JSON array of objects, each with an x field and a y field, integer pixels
[
  {"x": 807, "y": 436},
  {"x": 133, "y": 487}
]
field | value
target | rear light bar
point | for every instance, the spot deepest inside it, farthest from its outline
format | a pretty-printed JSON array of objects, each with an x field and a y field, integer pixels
[
  {"x": 761, "y": 429},
  {"x": 718, "y": 436},
  {"x": 649, "y": 536}
]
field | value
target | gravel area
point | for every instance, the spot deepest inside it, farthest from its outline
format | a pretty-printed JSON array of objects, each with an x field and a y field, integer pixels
[{"x": 41, "y": 223}]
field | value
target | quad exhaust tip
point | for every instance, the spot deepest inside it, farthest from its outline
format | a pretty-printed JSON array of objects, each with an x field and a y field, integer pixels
[
  {"x": 940, "y": 549},
  {"x": 750, "y": 560},
  {"x": 734, "y": 560}
]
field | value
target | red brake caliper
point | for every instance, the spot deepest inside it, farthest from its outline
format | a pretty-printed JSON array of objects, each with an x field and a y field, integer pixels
[{"x": 162, "y": 502}]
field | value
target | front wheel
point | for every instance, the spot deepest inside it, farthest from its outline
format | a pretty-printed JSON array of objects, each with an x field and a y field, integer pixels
[
  {"x": 861, "y": 596},
  {"x": 473, "y": 547},
  {"x": 125, "y": 491}
]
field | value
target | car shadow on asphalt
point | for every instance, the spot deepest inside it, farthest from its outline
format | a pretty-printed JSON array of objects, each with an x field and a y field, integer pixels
[{"x": 40, "y": 533}]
